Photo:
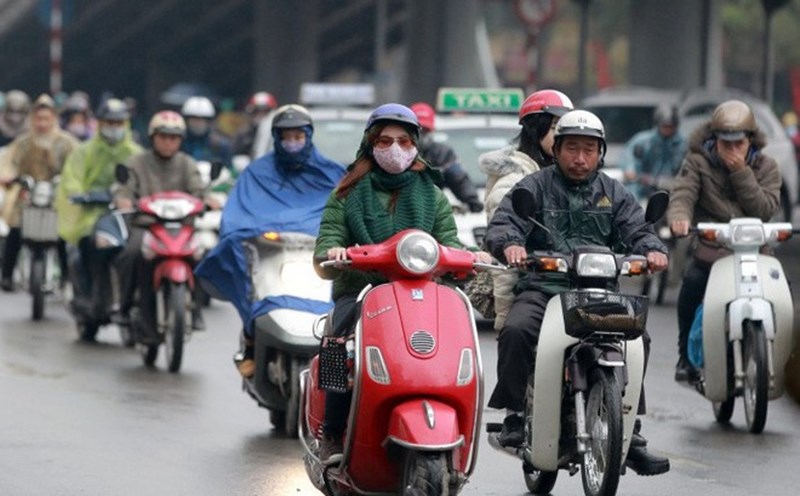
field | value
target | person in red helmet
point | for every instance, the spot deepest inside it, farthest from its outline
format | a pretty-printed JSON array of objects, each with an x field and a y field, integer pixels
[
  {"x": 530, "y": 151},
  {"x": 259, "y": 107},
  {"x": 442, "y": 157}
]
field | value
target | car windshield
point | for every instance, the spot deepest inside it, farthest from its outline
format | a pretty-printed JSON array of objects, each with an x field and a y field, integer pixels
[
  {"x": 622, "y": 122},
  {"x": 470, "y": 143},
  {"x": 338, "y": 139}
]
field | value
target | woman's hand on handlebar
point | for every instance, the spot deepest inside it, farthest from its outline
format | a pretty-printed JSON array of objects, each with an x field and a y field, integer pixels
[
  {"x": 656, "y": 261},
  {"x": 337, "y": 254},
  {"x": 515, "y": 255},
  {"x": 680, "y": 228}
]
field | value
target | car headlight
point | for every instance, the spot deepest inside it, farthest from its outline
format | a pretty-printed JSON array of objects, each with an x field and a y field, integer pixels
[
  {"x": 418, "y": 252},
  {"x": 748, "y": 235},
  {"x": 596, "y": 265}
]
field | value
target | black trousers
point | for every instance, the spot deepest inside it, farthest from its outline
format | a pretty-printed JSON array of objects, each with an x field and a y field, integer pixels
[
  {"x": 337, "y": 405},
  {"x": 516, "y": 351},
  {"x": 13, "y": 246},
  {"x": 136, "y": 272},
  {"x": 693, "y": 290}
]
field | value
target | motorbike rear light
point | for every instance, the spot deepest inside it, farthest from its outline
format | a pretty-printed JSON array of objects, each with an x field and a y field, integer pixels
[
  {"x": 418, "y": 252},
  {"x": 271, "y": 236},
  {"x": 376, "y": 367},
  {"x": 465, "y": 368},
  {"x": 552, "y": 264},
  {"x": 596, "y": 265},
  {"x": 709, "y": 234},
  {"x": 783, "y": 235}
]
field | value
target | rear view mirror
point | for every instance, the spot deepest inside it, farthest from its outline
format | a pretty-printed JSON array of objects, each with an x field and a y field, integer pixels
[
  {"x": 121, "y": 173},
  {"x": 656, "y": 206},
  {"x": 523, "y": 203}
]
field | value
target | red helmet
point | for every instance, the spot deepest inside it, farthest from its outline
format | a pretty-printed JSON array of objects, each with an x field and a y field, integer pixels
[
  {"x": 551, "y": 101},
  {"x": 261, "y": 101},
  {"x": 425, "y": 114}
]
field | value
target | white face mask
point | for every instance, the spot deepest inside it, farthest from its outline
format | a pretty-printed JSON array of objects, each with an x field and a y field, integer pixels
[
  {"x": 113, "y": 134},
  {"x": 394, "y": 159},
  {"x": 293, "y": 146}
]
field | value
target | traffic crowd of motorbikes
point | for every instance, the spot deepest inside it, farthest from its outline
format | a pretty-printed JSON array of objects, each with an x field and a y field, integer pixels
[{"x": 356, "y": 295}]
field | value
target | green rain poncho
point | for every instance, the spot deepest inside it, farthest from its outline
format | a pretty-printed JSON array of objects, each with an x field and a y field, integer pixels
[{"x": 90, "y": 167}]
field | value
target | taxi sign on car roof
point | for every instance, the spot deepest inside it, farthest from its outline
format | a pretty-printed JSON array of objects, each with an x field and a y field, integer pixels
[
  {"x": 340, "y": 94},
  {"x": 479, "y": 99}
]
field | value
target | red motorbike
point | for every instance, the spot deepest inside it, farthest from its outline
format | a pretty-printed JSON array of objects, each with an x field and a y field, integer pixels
[{"x": 414, "y": 368}]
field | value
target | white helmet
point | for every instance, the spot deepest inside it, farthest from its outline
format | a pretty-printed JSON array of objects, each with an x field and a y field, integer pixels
[
  {"x": 581, "y": 123},
  {"x": 198, "y": 106}
]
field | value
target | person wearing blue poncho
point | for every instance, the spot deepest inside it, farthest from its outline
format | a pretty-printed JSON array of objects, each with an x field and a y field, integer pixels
[{"x": 284, "y": 190}]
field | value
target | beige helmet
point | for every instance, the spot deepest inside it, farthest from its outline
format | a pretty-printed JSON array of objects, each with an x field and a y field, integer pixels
[
  {"x": 167, "y": 122},
  {"x": 733, "y": 120}
]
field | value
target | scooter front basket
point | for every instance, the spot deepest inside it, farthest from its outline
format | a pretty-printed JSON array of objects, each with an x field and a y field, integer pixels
[{"x": 591, "y": 312}]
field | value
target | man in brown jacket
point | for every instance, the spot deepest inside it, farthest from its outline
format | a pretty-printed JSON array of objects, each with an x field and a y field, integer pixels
[{"x": 724, "y": 176}]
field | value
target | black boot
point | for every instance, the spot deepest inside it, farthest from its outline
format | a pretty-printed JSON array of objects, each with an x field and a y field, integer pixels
[
  {"x": 640, "y": 460},
  {"x": 684, "y": 371},
  {"x": 198, "y": 324},
  {"x": 513, "y": 433}
]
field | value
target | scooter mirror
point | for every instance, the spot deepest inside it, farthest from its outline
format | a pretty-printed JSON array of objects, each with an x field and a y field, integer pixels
[
  {"x": 656, "y": 206},
  {"x": 121, "y": 173},
  {"x": 216, "y": 169},
  {"x": 523, "y": 203}
]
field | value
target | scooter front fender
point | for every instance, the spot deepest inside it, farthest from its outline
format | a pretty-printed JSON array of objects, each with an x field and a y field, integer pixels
[
  {"x": 177, "y": 271},
  {"x": 425, "y": 425}
]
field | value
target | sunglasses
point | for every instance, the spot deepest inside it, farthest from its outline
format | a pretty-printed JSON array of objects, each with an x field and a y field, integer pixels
[{"x": 387, "y": 141}]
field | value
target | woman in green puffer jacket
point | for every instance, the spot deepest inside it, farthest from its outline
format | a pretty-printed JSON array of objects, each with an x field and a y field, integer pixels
[{"x": 386, "y": 190}]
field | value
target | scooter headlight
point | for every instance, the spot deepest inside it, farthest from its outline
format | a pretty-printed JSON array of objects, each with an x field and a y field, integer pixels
[
  {"x": 748, "y": 235},
  {"x": 418, "y": 253},
  {"x": 42, "y": 194},
  {"x": 597, "y": 265}
]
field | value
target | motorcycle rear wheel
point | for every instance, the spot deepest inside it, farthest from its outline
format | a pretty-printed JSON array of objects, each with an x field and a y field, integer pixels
[
  {"x": 175, "y": 309},
  {"x": 756, "y": 376},
  {"x": 37, "y": 285},
  {"x": 602, "y": 463},
  {"x": 425, "y": 474}
]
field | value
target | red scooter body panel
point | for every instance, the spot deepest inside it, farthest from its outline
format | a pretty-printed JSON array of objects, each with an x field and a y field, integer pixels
[
  {"x": 175, "y": 270},
  {"x": 391, "y": 314},
  {"x": 315, "y": 400}
]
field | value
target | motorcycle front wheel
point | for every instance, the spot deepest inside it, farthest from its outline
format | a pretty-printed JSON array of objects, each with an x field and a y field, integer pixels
[
  {"x": 176, "y": 306},
  {"x": 37, "y": 285},
  {"x": 602, "y": 462},
  {"x": 756, "y": 376},
  {"x": 425, "y": 474}
]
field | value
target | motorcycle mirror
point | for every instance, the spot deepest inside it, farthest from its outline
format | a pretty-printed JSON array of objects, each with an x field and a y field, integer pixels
[
  {"x": 216, "y": 169},
  {"x": 523, "y": 203},
  {"x": 656, "y": 206},
  {"x": 121, "y": 173}
]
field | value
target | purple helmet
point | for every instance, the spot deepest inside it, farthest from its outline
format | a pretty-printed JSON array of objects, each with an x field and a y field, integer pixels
[{"x": 394, "y": 112}]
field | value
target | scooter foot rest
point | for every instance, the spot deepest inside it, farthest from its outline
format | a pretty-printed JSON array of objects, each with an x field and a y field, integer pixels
[{"x": 494, "y": 427}]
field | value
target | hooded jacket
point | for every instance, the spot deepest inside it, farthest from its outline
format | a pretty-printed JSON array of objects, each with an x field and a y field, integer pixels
[{"x": 504, "y": 168}]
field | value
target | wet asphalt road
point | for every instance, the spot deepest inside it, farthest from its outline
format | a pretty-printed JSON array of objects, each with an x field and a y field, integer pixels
[{"x": 78, "y": 419}]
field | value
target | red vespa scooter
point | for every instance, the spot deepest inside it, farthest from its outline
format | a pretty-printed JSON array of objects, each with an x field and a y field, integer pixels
[{"x": 415, "y": 374}]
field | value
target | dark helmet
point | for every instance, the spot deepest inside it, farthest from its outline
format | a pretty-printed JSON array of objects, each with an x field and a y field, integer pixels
[
  {"x": 666, "y": 115},
  {"x": 291, "y": 115},
  {"x": 113, "y": 109},
  {"x": 394, "y": 112}
]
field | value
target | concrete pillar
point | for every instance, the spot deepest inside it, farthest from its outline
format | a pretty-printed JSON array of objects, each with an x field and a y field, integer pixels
[
  {"x": 424, "y": 66},
  {"x": 285, "y": 47},
  {"x": 667, "y": 41}
]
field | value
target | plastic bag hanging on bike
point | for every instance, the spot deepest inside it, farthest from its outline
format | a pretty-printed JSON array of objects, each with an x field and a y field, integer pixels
[{"x": 695, "y": 345}]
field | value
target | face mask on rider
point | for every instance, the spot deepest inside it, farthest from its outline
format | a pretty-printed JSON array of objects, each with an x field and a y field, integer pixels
[
  {"x": 77, "y": 129},
  {"x": 394, "y": 159},
  {"x": 293, "y": 146},
  {"x": 113, "y": 134}
]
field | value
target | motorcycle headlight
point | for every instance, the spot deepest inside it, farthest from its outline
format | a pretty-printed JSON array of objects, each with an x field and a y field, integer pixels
[
  {"x": 42, "y": 194},
  {"x": 748, "y": 235},
  {"x": 418, "y": 253},
  {"x": 597, "y": 265}
]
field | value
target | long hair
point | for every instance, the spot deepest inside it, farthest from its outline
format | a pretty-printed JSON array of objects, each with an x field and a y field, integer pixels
[
  {"x": 365, "y": 162},
  {"x": 528, "y": 141}
]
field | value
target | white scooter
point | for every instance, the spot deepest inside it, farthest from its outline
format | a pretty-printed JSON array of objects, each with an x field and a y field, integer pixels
[
  {"x": 282, "y": 270},
  {"x": 747, "y": 320},
  {"x": 581, "y": 405}
]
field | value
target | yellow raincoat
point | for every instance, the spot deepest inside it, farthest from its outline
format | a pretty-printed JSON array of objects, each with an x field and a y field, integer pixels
[{"x": 89, "y": 168}]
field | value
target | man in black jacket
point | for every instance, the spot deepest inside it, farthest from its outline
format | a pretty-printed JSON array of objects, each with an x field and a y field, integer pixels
[{"x": 578, "y": 206}]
